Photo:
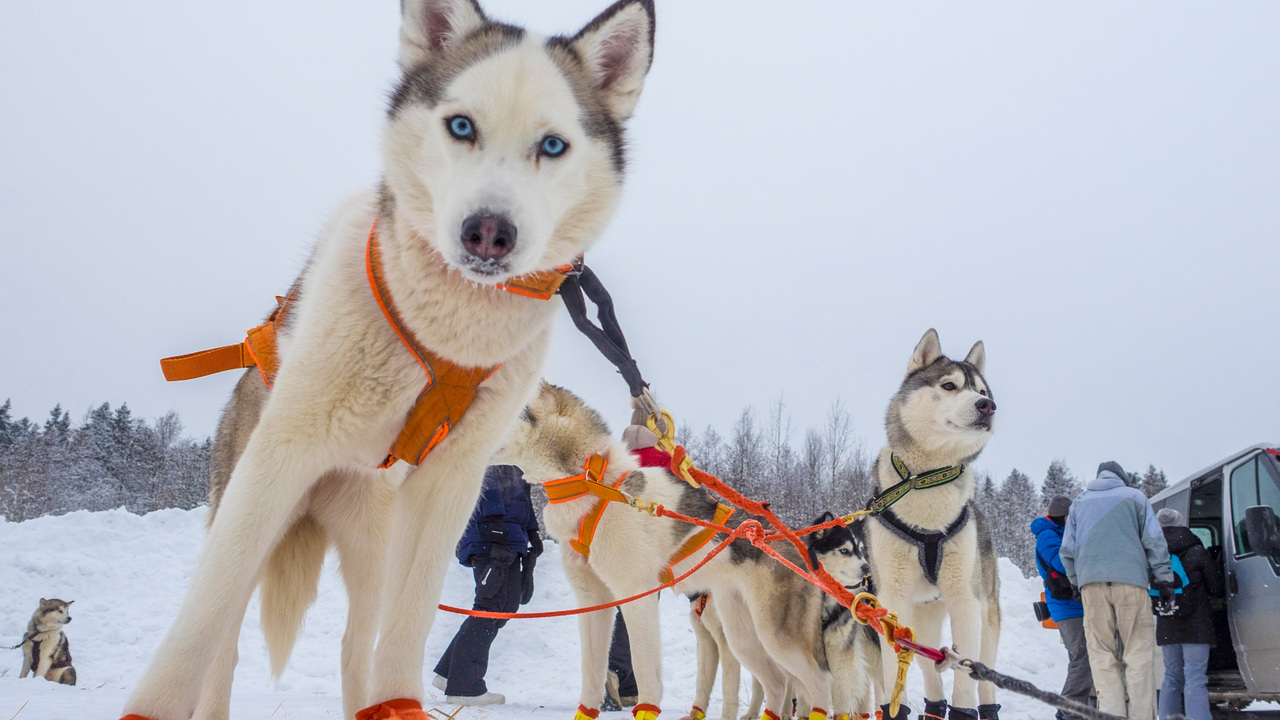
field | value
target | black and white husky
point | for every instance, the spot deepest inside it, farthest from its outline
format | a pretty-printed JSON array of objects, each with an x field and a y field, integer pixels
[
  {"x": 931, "y": 553},
  {"x": 502, "y": 155},
  {"x": 778, "y": 625}
]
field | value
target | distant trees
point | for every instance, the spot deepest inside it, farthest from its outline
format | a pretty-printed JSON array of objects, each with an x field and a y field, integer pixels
[
  {"x": 827, "y": 469},
  {"x": 1058, "y": 481},
  {"x": 1153, "y": 481},
  {"x": 1018, "y": 504},
  {"x": 111, "y": 459}
]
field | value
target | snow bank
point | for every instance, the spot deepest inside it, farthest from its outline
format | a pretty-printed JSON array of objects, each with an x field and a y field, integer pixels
[{"x": 127, "y": 575}]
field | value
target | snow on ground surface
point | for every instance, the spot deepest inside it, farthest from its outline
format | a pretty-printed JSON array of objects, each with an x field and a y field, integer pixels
[{"x": 127, "y": 575}]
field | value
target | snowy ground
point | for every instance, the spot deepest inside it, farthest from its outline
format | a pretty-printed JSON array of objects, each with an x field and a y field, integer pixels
[{"x": 127, "y": 575}]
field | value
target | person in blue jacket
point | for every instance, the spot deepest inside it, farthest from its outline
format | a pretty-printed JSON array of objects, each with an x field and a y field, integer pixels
[
  {"x": 1064, "y": 608},
  {"x": 501, "y": 545}
]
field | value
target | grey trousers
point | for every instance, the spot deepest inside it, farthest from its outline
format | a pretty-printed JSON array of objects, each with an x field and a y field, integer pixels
[{"x": 1079, "y": 681}]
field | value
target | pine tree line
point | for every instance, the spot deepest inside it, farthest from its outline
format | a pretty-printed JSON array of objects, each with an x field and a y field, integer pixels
[{"x": 111, "y": 459}]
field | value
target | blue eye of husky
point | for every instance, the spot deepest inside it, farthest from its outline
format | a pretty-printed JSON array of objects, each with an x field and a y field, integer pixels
[
  {"x": 553, "y": 146},
  {"x": 461, "y": 127}
]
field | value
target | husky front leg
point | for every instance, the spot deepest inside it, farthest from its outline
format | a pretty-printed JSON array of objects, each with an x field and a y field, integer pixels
[
  {"x": 595, "y": 629},
  {"x": 26, "y": 660},
  {"x": 741, "y": 635},
  {"x": 641, "y": 617},
  {"x": 966, "y": 633},
  {"x": 277, "y": 468},
  {"x": 215, "y": 697},
  {"x": 708, "y": 657},
  {"x": 355, "y": 509}
]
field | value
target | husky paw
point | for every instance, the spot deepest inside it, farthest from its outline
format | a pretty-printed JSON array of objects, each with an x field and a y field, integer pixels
[
  {"x": 934, "y": 710},
  {"x": 904, "y": 712},
  {"x": 962, "y": 714},
  {"x": 989, "y": 712}
]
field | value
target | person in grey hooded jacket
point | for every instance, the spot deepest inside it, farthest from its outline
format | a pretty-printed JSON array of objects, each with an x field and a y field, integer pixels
[{"x": 1113, "y": 549}]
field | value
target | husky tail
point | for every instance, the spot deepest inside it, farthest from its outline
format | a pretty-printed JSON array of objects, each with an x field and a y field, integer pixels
[{"x": 289, "y": 584}]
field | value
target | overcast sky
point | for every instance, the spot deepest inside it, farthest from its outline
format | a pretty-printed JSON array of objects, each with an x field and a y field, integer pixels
[{"x": 1092, "y": 188}]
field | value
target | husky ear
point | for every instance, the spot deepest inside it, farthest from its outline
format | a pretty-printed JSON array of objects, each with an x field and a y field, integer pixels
[
  {"x": 977, "y": 357},
  {"x": 43, "y": 601},
  {"x": 928, "y": 350},
  {"x": 617, "y": 49},
  {"x": 428, "y": 26},
  {"x": 825, "y": 518}
]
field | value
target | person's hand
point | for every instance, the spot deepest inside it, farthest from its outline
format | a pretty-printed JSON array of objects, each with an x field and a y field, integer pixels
[
  {"x": 535, "y": 543},
  {"x": 526, "y": 579},
  {"x": 1075, "y": 593}
]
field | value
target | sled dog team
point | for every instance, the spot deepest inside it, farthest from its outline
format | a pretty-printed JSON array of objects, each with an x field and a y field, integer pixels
[{"x": 418, "y": 330}]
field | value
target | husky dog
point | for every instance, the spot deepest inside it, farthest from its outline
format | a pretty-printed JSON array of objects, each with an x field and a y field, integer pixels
[
  {"x": 931, "y": 553},
  {"x": 852, "y": 652},
  {"x": 771, "y": 617},
  {"x": 502, "y": 155},
  {"x": 45, "y": 649}
]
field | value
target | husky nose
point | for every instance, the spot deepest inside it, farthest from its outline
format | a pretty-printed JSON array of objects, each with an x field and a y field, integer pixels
[
  {"x": 987, "y": 406},
  {"x": 488, "y": 236}
]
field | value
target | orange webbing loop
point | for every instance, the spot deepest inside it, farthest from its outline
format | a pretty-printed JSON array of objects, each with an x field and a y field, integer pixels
[
  {"x": 206, "y": 362},
  {"x": 538, "y": 285},
  {"x": 399, "y": 709}
]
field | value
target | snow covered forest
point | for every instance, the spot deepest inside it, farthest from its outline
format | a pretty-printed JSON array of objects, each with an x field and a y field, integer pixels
[{"x": 110, "y": 460}]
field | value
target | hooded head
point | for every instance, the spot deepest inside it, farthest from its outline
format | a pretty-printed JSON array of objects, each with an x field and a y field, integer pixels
[
  {"x": 1114, "y": 468},
  {"x": 1168, "y": 517}
]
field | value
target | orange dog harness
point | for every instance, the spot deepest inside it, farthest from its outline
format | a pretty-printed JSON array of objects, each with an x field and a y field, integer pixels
[
  {"x": 449, "y": 390},
  {"x": 591, "y": 482}
]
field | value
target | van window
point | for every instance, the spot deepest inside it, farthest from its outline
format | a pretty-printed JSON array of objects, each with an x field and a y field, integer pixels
[{"x": 1252, "y": 484}]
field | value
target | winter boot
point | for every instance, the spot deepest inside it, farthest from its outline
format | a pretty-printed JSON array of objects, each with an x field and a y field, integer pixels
[
  {"x": 962, "y": 714},
  {"x": 934, "y": 710},
  {"x": 489, "y": 698},
  {"x": 904, "y": 712},
  {"x": 989, "y": 712}
]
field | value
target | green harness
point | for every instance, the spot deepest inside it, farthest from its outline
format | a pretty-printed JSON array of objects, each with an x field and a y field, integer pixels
[{"x": 931, "y": 479}]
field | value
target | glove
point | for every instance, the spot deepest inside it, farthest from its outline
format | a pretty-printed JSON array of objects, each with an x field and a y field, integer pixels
[
  {"x": 535, "y": 544},
  {"x": 1075, "y": 593},
  {"x": 526, "y": 579},
  {"x": 495, "y": 530}
]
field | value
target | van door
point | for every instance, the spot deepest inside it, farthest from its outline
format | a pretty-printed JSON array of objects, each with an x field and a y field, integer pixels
[{"x": 1253, "y": 580}]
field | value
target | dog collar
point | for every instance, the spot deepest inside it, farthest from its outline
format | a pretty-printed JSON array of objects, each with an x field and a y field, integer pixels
[{"x": 931, "y": 479}]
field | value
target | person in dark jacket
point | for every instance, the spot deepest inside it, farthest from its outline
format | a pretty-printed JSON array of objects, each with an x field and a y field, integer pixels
[
  {"x": 1064, "y": 608},
  {"x": 501, "y": 545},
  {"x": 1186, "y": 636}
]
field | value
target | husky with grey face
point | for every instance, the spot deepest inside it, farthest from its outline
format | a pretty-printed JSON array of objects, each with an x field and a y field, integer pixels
[
  {"x": 931, "y": 553},
  {"x": 502, "y": 155},
  {"x": 46, "y": 653},
  {"x": 772, "y": 618}
]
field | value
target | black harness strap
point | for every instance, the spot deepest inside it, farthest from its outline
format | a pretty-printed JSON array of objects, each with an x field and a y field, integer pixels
[
  {"x": 928, "y": 543},
  {"x": 608, "y": 337}
]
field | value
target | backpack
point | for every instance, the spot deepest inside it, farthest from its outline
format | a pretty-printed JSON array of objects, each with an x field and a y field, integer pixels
[
  {"x": 1182, "y": 607},
  {"x": 1056, "y": 583}
]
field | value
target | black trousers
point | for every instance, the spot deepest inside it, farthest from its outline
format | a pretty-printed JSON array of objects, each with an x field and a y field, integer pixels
[
  {"x": 620, "y": 658},
  {"x": 465, "y": 663}
]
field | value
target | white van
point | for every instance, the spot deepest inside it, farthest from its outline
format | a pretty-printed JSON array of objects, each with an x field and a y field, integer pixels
[{"x": 1232, "y": 506}]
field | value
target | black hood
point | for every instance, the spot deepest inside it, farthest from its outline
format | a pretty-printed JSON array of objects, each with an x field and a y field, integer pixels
[{"x": 1180, "y": 538}]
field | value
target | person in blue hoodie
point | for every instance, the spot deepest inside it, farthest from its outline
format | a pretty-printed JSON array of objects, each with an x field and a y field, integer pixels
[
  {"x": 1065, "y": 610},
  {"x": 501, "y": 546}
]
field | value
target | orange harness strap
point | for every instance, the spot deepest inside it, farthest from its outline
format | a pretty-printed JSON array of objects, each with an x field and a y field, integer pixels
[
  {"x": 590, "y": 482},
  {"x": 449, "y": 390},
  {"x": 695, "y": 543},
  {"x": 258, "y": 348}
]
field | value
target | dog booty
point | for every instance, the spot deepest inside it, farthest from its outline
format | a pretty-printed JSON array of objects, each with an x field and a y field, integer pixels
[
  {"x": 989, "y": 712},
  {"x": 904, "y": 712},
  {"x": 934, "y": 710},
  {"x": 402, "y": 709},
  {"x": 962, "y": 714}
]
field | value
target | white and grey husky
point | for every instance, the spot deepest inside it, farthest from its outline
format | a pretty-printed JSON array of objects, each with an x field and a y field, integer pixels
[
  {"x": 46, "y": 652},
  {"x": 773, "y": 619},
  {"x": 502, "y": 155},
  {"x": 930, "y": 550}
]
